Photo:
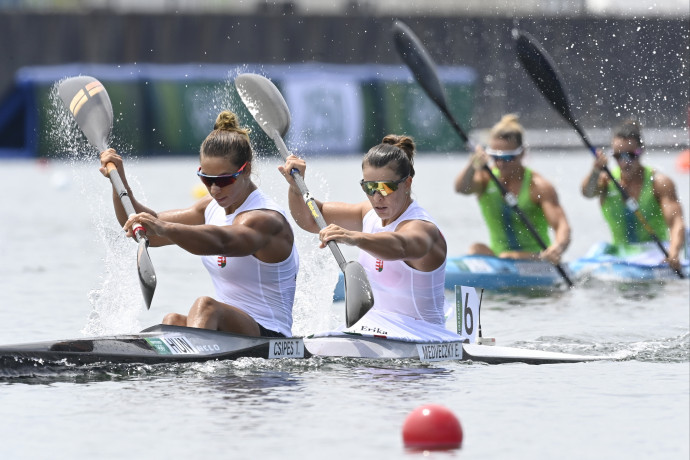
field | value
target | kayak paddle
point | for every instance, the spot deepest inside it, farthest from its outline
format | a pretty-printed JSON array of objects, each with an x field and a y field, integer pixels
[
  {"x": 415, "y": 55},
  {"x": 88, "y": 102},
  {"x": 269, "y": 109},
  {"x": 542, "y": 70}
]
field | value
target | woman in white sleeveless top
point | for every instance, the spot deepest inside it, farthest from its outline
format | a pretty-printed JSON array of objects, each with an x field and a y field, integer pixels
[
  {"x": 402, "y": 248},
  {"x": 244, "y": 238}
]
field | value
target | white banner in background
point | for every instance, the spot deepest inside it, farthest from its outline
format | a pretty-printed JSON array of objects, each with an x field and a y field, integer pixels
[{"x": 327, "y": 113}]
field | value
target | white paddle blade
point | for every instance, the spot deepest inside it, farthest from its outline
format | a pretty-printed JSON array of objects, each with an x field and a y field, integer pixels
[
  {"x": 89, "y": 103},
  {"x": 264, "y": 102}
]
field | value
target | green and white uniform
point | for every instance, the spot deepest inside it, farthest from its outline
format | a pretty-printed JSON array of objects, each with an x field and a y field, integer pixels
[
  {"x": 506, "y": 230},
  {"x": 625, "y": 227}
]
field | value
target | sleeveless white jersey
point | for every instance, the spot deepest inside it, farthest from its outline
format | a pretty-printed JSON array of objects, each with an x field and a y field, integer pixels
[
  {"x": 397, "y": 287},
  {"x": 265, "y": 291}
]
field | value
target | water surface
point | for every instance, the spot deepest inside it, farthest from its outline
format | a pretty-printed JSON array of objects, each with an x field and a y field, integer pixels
[{"x": 67, "y": 271}]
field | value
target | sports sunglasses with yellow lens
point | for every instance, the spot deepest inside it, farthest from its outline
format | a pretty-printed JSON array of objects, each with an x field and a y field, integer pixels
[{"x": 384, "y": 187}]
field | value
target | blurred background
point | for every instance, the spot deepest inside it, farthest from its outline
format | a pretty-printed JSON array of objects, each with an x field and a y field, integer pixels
[{"x": 164, "y": 62}]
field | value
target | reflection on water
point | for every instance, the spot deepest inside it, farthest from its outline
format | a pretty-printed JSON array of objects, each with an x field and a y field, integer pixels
[{"x": 639, "y": 290}]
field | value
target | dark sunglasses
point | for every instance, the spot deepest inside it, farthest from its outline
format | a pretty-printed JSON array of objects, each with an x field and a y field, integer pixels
[
  {"x": 384, "y": 187},
  {"x": 626, "y": 156},
  {"x": 220, "y": 181}
]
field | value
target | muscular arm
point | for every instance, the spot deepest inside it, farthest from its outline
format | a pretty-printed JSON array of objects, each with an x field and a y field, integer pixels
[
  {"x": 473, "y": 179},
  {"x": 192, "y": 216},
  {"x": 596, "y": 181},
  {"x": 251, "y": 232},
  {"x": 120, "y": 212},
  {"x": 545, "y": 194},
  {"x": 665, "y": 191},
  {"x": 417, "y": 242},
  {"x": 342, "y": 214},
  {"x": 110, "y": 156},
  {"x": 346, "y": 215}
]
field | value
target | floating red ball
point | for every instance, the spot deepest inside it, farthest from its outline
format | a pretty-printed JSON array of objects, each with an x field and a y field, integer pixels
[{"x": 432, "y": 427}]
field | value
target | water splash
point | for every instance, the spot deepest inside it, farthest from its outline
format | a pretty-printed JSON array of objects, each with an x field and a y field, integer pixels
[{"x": 117, "y": 303}]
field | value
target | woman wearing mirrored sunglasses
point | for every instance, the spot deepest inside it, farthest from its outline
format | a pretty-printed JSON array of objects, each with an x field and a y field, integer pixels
[
  {"x": 401, "y": 247},
  {"x": 654, "y": 192},
  {"x": 243, "y": 237},
  {"x": 536, "y": 196}
]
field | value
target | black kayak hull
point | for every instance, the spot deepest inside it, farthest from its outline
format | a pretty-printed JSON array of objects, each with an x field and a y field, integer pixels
[{"x": 154, "y": 345}]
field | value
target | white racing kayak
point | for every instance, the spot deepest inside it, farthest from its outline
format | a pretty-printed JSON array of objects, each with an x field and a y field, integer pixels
[
  {"x": 379, "y": 348},
  {"x": 376, "y": 336}
]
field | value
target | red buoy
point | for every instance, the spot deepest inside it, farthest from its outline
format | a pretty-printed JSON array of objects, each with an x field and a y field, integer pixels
[{"x": 432, "y": 427}]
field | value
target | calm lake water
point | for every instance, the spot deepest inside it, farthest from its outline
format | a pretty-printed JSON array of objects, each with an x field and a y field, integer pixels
[{"x": 67, "y": 271}]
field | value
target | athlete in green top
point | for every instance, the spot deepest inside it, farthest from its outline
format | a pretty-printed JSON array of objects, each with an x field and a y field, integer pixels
[
  {"x": 654, "y": 192},
  {"x": 536, "y": 198}
]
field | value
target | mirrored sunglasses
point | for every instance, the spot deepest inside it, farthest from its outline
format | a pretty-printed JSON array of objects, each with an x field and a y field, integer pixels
[
  {"x": 384, "y": 187},
  {"x": 220, "y": 181},
  {"x": 504, "y": 155}
]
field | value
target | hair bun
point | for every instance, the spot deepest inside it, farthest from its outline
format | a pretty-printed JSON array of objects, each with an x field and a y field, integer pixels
[
  {"x": 227, "y": 121},
  {"x": 406, "y": 143}
]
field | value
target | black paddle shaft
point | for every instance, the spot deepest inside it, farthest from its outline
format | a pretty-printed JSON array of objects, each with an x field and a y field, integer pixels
[
  {"x": 415, "y": 55},
  {"x": 540, "y": 67}
]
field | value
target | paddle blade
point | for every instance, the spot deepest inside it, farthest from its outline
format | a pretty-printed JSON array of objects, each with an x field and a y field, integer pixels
[
  {"x": 147, "y": 275},
  {"x": 88, "y": 101},
  {"x": 542, "y": 70},
  {"x": 269, "y": 109},
  {"x": 417, "y": 59},
  {"x": 359, "y": 297},
  {"x": 264, "y": 102}
]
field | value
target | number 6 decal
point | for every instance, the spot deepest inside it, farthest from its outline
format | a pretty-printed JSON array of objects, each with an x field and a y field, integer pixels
[{"x": 467, "y": 312}]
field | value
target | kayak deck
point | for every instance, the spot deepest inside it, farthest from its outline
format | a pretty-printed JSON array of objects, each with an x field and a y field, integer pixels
[{"x": 174, "y": 344}]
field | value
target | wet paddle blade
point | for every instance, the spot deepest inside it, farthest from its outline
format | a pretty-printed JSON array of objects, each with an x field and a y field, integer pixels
[
  {"x": 147, "y": 275},
  {"x": 358, "y": 295},
  {"x": 542, "y": 70},
  {"x": 88, "y": 101},
  {"x": 264, "y": 102},
  {"x": 417, "y": 58}
]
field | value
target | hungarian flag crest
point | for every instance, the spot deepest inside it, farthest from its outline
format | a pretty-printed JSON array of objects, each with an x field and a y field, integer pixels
[
  {"x": 379, "y": 265},
  {"x": 222, "y": 261}
]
